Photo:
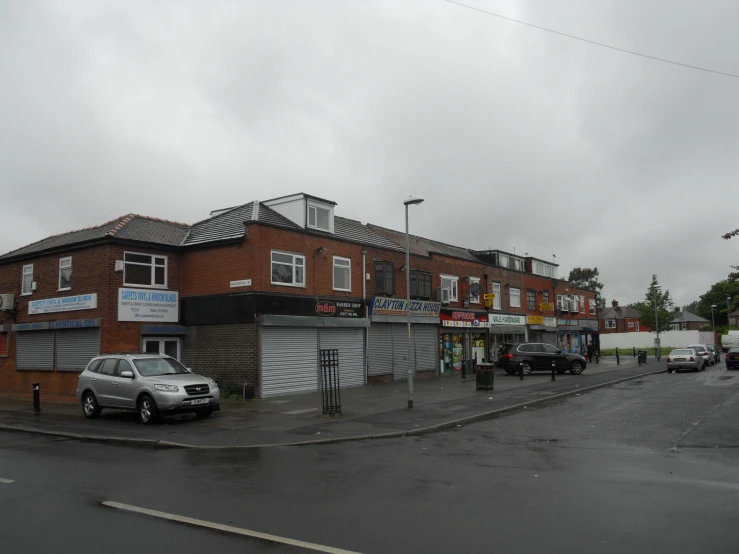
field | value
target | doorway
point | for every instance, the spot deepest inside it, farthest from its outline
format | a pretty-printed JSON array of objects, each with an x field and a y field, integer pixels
[{"x": 169, "y": 346}]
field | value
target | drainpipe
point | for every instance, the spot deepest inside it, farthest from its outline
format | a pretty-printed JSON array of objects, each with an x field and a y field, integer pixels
[{"x": 366, "y": 313}]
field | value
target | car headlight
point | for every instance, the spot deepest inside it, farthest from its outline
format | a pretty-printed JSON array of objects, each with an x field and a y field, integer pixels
[
  {"x": 166, "y": 388},
  {"x": 213, "y": 385}
]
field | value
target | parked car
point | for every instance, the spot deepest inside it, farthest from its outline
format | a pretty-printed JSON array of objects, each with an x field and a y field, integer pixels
[
  {"x": 151, "y": 384},
  {"x": 538, "y": 356},
  {"x": 685, "y": 358},
  {"x": 732, "y": 358},
  {"x": 730, "y": 339},
  {"x": 714, "y": 352},
  {"x": 702, "y": 350}
]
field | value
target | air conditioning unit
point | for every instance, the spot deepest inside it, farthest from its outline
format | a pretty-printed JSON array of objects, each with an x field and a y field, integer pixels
[
  {"x": 7, "y": 302},
  {"x": 442, "y": 295}
]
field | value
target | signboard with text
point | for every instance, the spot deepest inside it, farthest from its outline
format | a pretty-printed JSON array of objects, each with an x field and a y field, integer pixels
[
  {"x": 148, "y": 305},
  {"x": 463, "y": 319},
  {"x": 382, "y": 305},
  {"x": 535, "y": 319},
  {"x": 63, "y": 304},
  {"x": 506, "y": 319},
  {"x": 338, "y": 308},
  {"x": 546, "y": 307}
]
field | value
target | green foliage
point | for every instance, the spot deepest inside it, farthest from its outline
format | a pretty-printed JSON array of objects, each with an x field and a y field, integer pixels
[
  {"x": 231, "y": 390},
  {"x": 718, "y": 294},
  {"x": 659, "y": 301},
  {"x": 584, "y": 278}
]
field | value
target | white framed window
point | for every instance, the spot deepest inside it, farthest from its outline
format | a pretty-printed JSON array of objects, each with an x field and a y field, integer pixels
[
  {"x": 144, "y": 270},
  {"x": 342, "y": 274},
  {"x": 637, "y": 325},
  {"x": 319, "y": 218},
  {"x": 288, "y": 269},
  {"x": 631, "y": 324},
  {"x": 592, "y": 307},
  {"x": 559, "y": 302},
  {"x": 582, "y": 304},
  {"x": 610, "y": 323},
  {"x": 515, "y": 298},
  {"x": 496, "y": 300},
  {"x": 65, "y": 273},
  {"x": 27, "y": 280},
  {"x": 544, "y": 269},
  {"x": 450, "y": 282},
  {"x": 573, "y": 304},
  {"x": 474, "y": 299},
  {"x": 684, "y": 326}
]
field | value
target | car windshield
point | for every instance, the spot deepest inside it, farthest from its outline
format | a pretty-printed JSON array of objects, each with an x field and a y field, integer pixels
[
  {"x": 734, "y": 350},
  {"x": 152, "y": 367},
  {"x": 683, "y": 352},
  {"x": 698, "y": 348}
]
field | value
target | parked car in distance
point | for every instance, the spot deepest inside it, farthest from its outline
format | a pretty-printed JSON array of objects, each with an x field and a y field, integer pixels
[
  {"x": 732, "y": 358},
  {"x": 538, "y": 356},
  {"x": 714, "y": 353},
  {"x": 729, "y": 340},
  {"x": 151, "y": 384},
  {"x": 685, "y": 358},
  {"x": 702, "y": 350}
]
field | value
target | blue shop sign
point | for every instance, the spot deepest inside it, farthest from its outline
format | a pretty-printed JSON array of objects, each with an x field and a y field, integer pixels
[{"x": 163, "y": 330}]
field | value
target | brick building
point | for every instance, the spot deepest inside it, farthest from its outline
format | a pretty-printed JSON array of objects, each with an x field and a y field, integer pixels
[
  {"x": 251, "y": 294},
  {"x": 621, "y": 319},
  {"x": 687, "y": 321}
]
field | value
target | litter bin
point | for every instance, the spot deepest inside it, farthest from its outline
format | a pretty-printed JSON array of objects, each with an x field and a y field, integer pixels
[
  {"x": 642, "y": 355},
  {"x": 484, "y": 373}
]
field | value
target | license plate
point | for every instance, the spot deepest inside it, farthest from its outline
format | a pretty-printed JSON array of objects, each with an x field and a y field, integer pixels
[
  {"x": 679, "y": 359},
  {"x": 200, "y": 401},
  {"x": 734, "y": 357}
]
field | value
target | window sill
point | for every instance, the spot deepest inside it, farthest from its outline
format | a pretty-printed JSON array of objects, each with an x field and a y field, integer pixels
[
  {"x": 160, "y": 287},
  {"x": 343, "y": 290},
  {"x": 288, "y": 285},
  {"x": 64, "y": 290}
]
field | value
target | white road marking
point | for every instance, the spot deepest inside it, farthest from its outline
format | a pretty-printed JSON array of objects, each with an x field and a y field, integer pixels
[
  {"x": 6, "y": 480},
  {"x": 226, "y": 528}
]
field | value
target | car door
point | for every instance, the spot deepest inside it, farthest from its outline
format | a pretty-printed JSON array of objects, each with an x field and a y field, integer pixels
[
  {"x": 102, "y": 384},
  {"x": 124, "y": 388},
  {"x": 556, "y": 356},
  {"x": 538, "y": 356}
]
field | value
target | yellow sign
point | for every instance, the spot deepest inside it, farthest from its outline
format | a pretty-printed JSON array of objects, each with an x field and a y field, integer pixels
[
  {"x": 535, "y": 319},
  {"x": 488, "y": 296},
  {"x": 488, "y": 303},
  {"x": 546, "y": 307}
]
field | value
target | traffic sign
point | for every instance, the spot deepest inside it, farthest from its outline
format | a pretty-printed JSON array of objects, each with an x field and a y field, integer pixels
[{"x": 488, "y": 296}]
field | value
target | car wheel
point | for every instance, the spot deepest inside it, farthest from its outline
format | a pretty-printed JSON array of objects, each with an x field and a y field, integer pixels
[
  {"x": 526, "y": 368},
  {"x": 90, "y": 406},
  {"x": 576, "y": 368},
  {"x": 205, "y": 412},
  {"x": 147, "y": 410}
]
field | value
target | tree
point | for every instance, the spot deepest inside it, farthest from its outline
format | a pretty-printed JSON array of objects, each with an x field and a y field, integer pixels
[
  {"x": 717, "y": 294},
  {"x": 692, "y": 307},
  {"x": 663, "y": 302},
  {"x": 584, "y": 278}
]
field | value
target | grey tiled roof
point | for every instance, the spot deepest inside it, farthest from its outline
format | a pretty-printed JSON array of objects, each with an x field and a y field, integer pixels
[
  {"x": 129, "y": 227},
  {"x": 620, "y": 312},
  {"x": 355, "y": 231},
  {"x": 686, "y": 317},
  {"x": 227, "y": 225},
  {"x": 425, "y": 247}
]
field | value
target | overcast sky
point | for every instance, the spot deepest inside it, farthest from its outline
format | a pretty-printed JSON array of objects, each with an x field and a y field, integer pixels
[{"x": 516, "y": 138}]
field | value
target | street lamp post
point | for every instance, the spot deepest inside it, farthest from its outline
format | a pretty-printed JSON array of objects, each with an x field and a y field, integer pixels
[
  {"x": 408, "y": 202},
  {"x": 656, "y": 322},
  {"x": 713, "y": 321}
]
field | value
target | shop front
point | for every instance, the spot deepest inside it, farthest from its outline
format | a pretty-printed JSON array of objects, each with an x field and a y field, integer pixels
[
  {"x": 505, "y": 328},
  {"x": 463, "y": 336},
  {"x": 542, "y": 329},
  {"x": 388, "y": 339},
  {"x": 163, "y": 339},
  {"x": 59, "y": 345}
]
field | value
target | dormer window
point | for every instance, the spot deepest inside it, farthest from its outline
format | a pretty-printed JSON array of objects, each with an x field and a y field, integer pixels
[{"x": 319, "y": 218}]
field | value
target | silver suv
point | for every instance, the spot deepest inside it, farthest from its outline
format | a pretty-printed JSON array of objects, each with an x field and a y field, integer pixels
[{"x": 151, "y": 384}]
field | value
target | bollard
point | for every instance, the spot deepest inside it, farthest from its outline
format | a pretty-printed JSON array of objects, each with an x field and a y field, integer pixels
[
  {"x": 618, "y": 361},
  {"x": 597, "y": 355},
  {"x": 634, "y": 348},
  {"x": 464, "y": 369},
  {"x": 553, "y": 378},
  {"x": 36, "y": 398},
  {"x": 520, "y": 370}
]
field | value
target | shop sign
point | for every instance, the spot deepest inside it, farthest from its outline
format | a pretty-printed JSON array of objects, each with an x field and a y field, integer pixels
[
  {"x": 334, "y": 308},
  {"x": 535, "y": 319},
  {"x": 398, "y": 306},
  {"x": 63, "y": 304},
  {"x": 504, "y": 319},
  {"x": 568, "y": 322},
  {"x": 546, "y": 307},
  {"x": 241, "y": 283},
  {"x": 463, "y": 319},
  {"x": 148, "y": 305},
  {"x": 75, "y": 323},
  {"x": 163, "y": 330},
  {"x": 30, "y": 326},
  {"x": 550, "y": 321}
]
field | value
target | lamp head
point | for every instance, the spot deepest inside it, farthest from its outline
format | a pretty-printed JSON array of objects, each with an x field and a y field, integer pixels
[{"x": 412, "y": 200}]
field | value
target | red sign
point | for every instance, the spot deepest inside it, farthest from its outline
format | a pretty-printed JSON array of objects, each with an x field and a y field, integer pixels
[
  {"x": 463, "y": 316},
  {"x": 326, "y": 308}
]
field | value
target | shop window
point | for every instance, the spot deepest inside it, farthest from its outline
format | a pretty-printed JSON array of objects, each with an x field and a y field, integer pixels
[
  {"x": 592, "y": 307},
  {"x": 65, "y": 273},
  {"x": 144, "y": 270},
  {"x": 531, "y": 300},
  {"x": 288, "y": 269},
  {"x": 421, "y": 285},
  {"x": 27, "y": 279},
  {"x": 342, "y": 274},
  {"x": 474, "y": 281},
  {"x": 3, "y": 345},
  {"x": 496, "y": 300},
  {"x": 384, "y": 278},
  {"x": 319, "y": 218},
  {"x": 515, "y": 298},
  {"x": 451, "y": 283}
]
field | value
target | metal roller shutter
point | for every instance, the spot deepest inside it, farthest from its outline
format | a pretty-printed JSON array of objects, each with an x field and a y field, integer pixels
[
  {"x": 34, "y": 350},
  {"x": 380, "y": 349},
  {"x": 289, "y": 360},
  {"x": 350, "y": 343},
  {"x": 400, "y": 351},
  {"x": 76, "y": 347},
  {"x": 427, "y": 347}
]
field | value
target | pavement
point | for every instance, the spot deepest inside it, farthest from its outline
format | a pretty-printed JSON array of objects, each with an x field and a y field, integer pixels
[
  {"x": 646, "y": 465},
  {"x": 368, "y": 412}
]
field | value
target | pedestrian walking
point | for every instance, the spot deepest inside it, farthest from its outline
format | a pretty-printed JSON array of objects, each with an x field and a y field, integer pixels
[{"x": 590, "y": 351}]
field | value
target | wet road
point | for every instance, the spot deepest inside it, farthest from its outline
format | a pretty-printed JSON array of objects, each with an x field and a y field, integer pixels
[{"x": 650, "y": 465}]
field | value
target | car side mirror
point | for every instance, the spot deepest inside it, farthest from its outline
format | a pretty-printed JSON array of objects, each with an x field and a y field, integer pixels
[
  {"x": 127, "y": 374},
  {"x": 559, "y": 351}
]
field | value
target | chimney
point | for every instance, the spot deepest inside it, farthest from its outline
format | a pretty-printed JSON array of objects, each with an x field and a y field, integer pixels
[{"x": 614, "y": 303}]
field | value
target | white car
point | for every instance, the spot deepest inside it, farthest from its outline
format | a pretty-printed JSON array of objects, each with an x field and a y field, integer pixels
[{"x": 702, "y": 350}]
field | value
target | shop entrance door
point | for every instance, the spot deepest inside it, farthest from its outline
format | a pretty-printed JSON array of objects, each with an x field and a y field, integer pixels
[{"x": 169, "y": 346}]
